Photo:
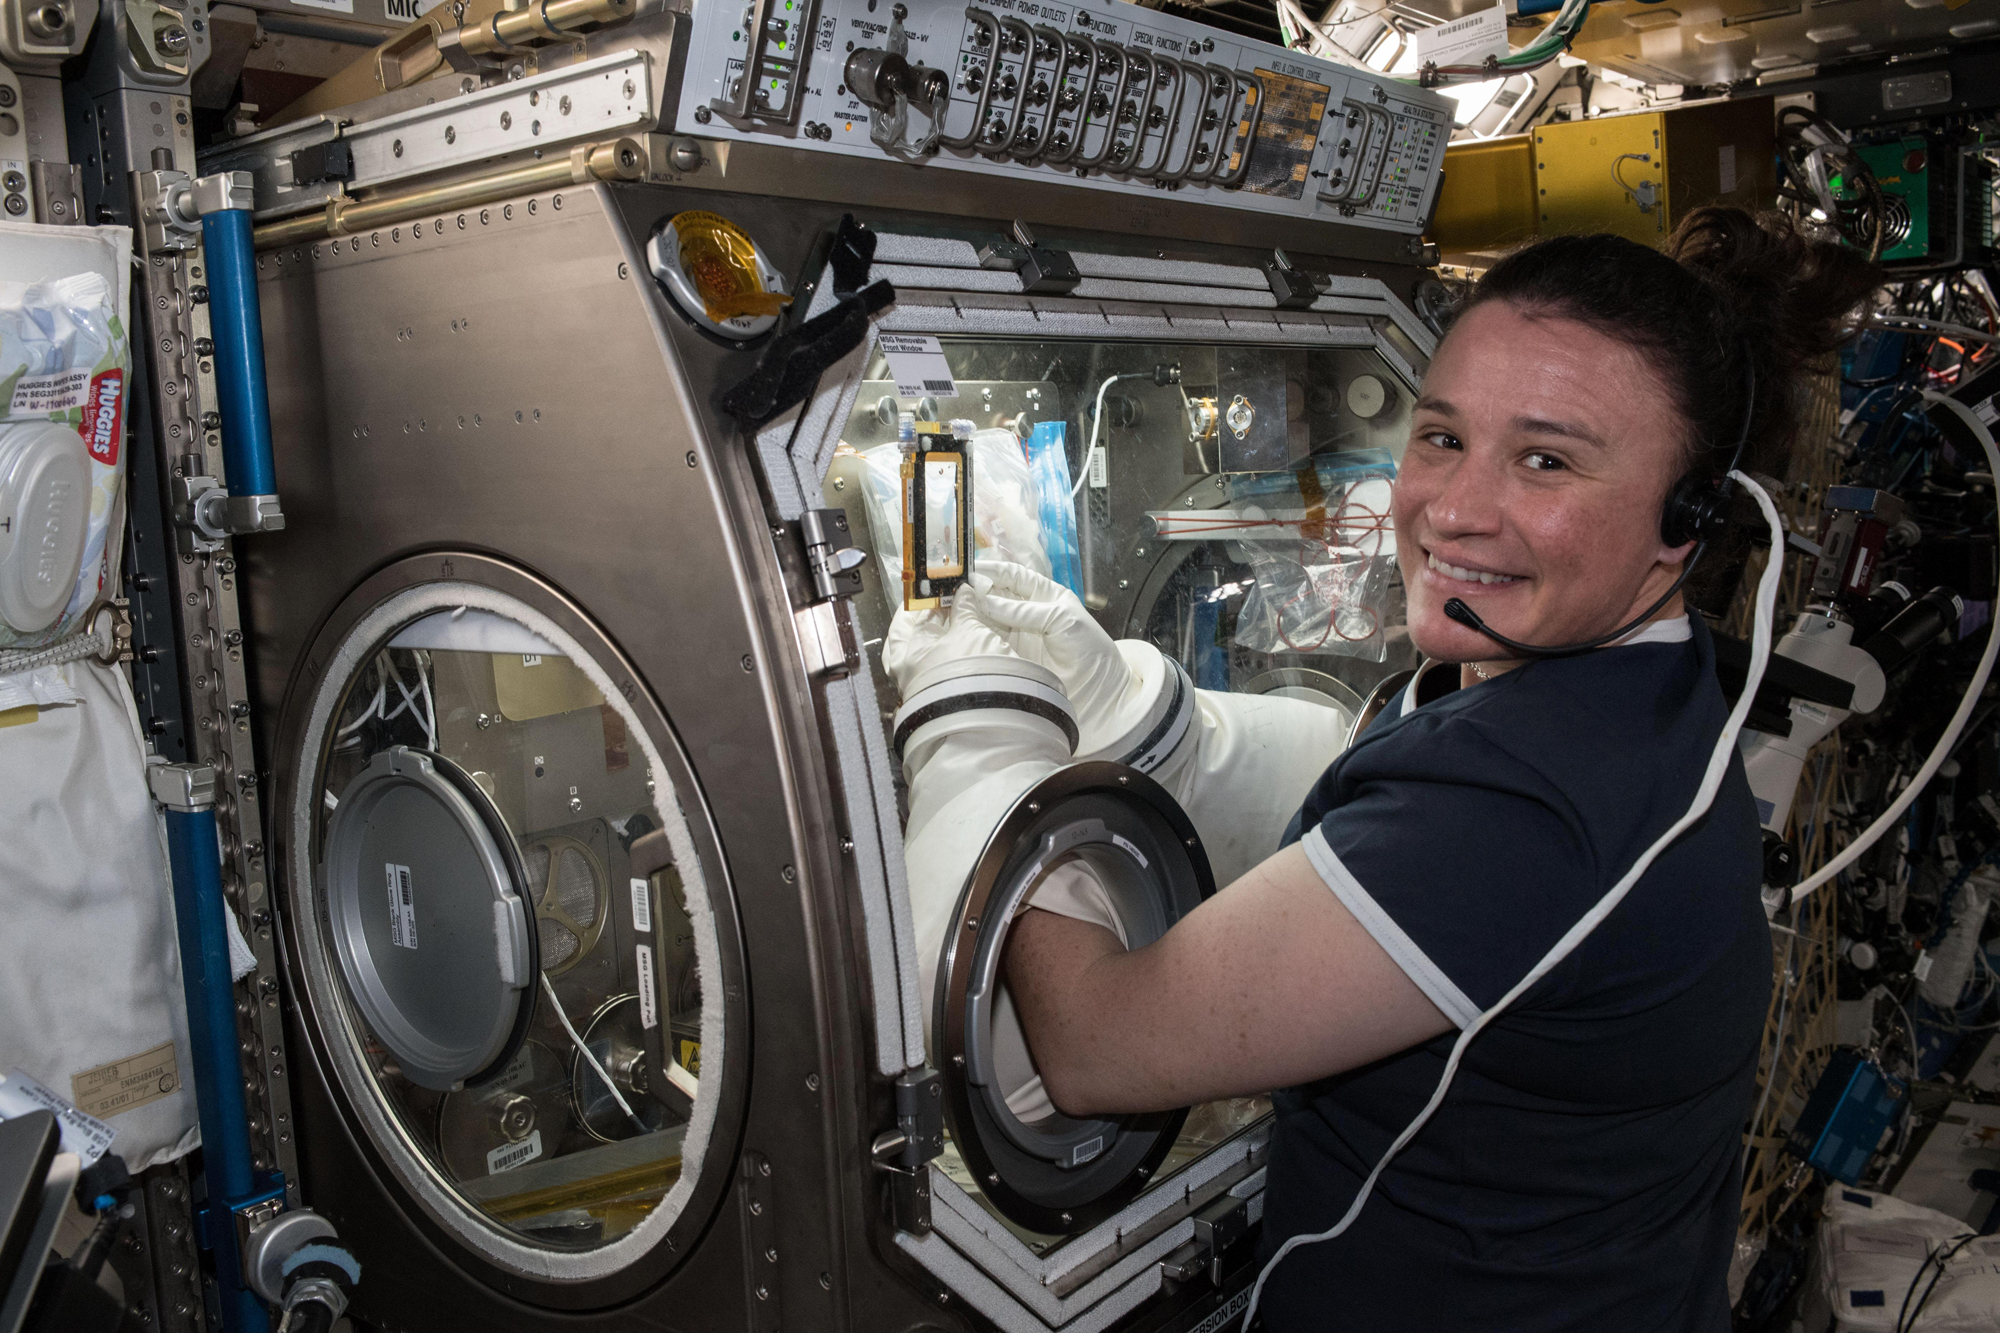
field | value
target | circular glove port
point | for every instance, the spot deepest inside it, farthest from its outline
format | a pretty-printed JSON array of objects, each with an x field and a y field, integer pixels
[{"x": 1059, "y": 1174}]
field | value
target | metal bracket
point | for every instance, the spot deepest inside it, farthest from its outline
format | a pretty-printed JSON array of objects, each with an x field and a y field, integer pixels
[
  {"x": 903, "y": 1152},
  {"x": 58, "y": 191},
  {"x": 249, "y": 1217},
  {"x": 166, "y": 203},
  {"x": 183, "y": 787},
  {"x": 173, "y": 203},
  {"x": 1295, "y": 288},
  {"x": 114, "y": 614},
  {"x": 205, "y": 515},
  {"x": 1216, "y": 1228},
  {"x": 1044, "y": 272}
]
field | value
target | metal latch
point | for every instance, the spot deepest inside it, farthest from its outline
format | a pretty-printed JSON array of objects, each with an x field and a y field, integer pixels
[
  {"x": 1043, "y": 271},
  {"x": 1216, "y": 1228},
  {"x": 205, "y": 514},
  {"x": 904, "y": 1150},
  {"x": 1295, "y": 288}
]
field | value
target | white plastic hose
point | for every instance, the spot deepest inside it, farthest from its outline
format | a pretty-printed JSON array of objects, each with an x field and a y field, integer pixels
[
  {"x": 1942, "y": 750},
  {"x": 1718, "y": 768}
]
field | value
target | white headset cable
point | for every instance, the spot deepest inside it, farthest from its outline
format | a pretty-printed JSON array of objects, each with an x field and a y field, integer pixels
[{"x": 1718, "y": 768}]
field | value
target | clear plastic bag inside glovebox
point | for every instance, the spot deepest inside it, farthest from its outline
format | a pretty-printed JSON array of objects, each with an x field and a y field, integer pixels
[{"x": 1322, "y": 550}]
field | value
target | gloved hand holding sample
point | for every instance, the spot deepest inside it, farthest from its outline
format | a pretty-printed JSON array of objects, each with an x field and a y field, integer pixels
[{"x": 1237, "y": 763}]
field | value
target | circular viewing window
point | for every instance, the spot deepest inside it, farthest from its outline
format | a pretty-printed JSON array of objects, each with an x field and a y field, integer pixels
[{"x": 506, "y": 934}]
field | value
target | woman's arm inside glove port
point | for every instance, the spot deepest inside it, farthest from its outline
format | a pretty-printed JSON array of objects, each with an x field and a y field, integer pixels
[{"x": 1269, "y": 984}]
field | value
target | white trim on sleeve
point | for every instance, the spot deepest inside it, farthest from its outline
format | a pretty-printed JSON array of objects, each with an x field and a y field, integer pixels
[{"x": 1416, "y": 964}]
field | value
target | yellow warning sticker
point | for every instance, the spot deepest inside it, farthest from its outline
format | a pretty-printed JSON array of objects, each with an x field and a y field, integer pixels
[{"x": 125, "y": 1085}]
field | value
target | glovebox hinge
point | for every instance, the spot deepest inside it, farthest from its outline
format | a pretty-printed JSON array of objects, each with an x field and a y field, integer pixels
[
  {"x": 904, "y": 1151},
  {"x": 826, "y": 626},
  {"x": 831, "y": 554},
  {"x": 1044, "y": 272},
  {"x": 1295, "y": 288}
]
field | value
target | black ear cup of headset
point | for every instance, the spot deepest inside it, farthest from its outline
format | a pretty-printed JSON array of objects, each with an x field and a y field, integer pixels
[{"x": 1695, "y": 511}]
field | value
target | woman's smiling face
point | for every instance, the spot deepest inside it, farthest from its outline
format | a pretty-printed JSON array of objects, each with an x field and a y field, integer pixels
[{"x": 1541, "y": 451}]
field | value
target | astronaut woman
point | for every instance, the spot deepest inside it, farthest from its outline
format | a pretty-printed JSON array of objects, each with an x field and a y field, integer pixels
[{"x": 1583, "y": 1172}]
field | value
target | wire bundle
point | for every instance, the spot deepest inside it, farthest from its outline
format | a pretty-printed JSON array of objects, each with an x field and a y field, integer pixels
[
  {"x": 1304, "y": 33},
  {"x": 1817, "y": 153}
]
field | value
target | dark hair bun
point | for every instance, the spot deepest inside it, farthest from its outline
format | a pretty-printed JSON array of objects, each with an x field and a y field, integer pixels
[{"x": 1790, "y": 297}]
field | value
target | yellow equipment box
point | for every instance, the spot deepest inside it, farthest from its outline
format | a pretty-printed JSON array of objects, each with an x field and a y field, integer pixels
[{"x": 1636, "y": 175}]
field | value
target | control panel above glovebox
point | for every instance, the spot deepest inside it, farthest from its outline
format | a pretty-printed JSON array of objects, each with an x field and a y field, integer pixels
[{"x": 1101, "y": 94}]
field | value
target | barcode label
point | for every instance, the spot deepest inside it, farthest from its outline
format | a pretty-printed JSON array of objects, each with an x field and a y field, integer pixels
[
  {"x": 642, "y": 907},
  {"x": 649, "y": 1016},
  {"x": 514, "y": 1154},
  {"x": 1100, "y": 472},
  {"x": 917, "y": 363},
  {"x": 402, "y": 908}
]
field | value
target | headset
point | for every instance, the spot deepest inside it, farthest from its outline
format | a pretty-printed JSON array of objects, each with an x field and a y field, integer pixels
[{"x": 1695, "y": 511}]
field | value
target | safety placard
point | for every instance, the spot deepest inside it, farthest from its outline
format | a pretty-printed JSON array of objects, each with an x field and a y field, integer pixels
[{"x": 917, "y": 364}]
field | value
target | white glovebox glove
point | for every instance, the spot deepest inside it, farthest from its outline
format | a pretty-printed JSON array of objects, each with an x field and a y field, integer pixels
[
  {"x": 967, "y": 761},
  {"x": 1111, "y": 688},
  {"x": 1244, "y": 768}
]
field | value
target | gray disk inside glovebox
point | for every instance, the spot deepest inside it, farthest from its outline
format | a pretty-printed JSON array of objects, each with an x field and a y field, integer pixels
[{"x": 429, "y": 917}]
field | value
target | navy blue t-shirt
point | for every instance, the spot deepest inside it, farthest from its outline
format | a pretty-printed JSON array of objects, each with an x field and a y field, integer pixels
[{"x": 1582, "y": 1173}]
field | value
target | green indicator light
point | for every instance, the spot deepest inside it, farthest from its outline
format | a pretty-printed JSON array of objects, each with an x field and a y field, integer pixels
[
  {"x": 774, "y": 84},
  {"x": 735, "y": 36}
]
